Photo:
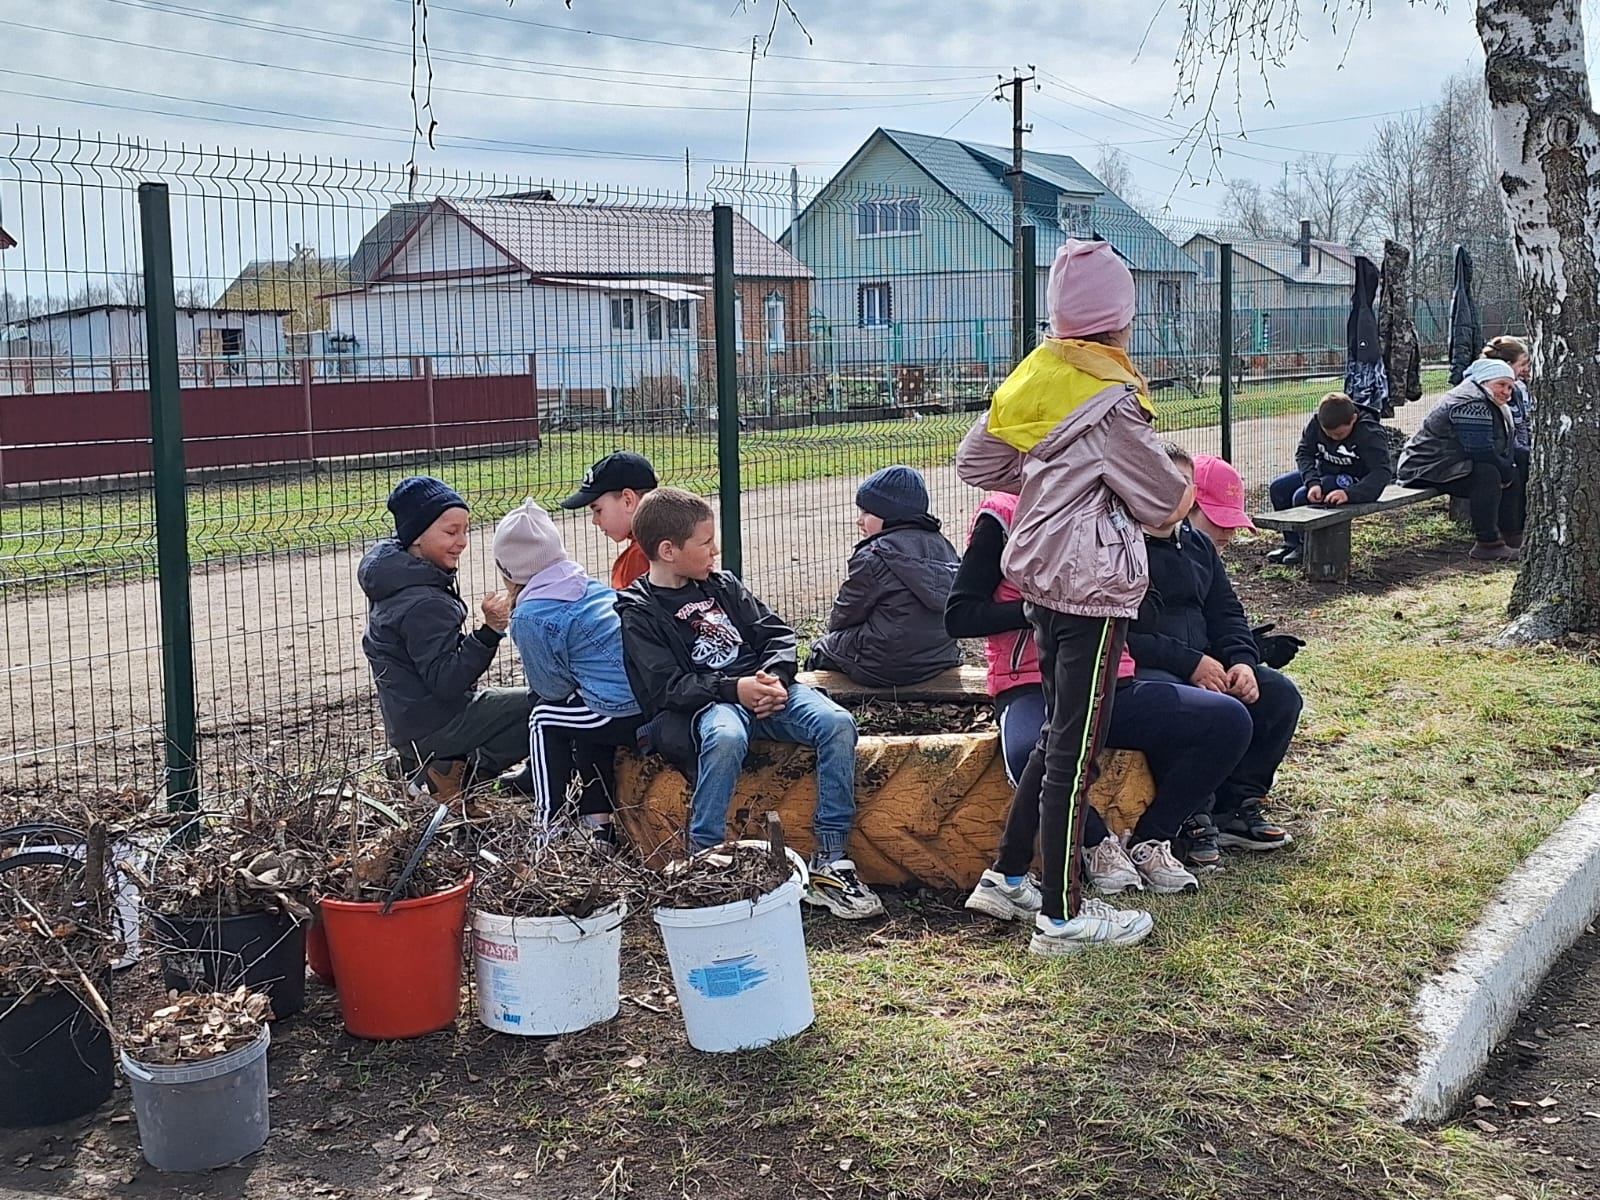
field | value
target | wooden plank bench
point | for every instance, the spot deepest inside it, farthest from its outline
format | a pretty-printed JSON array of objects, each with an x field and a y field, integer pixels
[
  {"x": 929, "y": 807},
  {"x": 1326, "y": 530}
]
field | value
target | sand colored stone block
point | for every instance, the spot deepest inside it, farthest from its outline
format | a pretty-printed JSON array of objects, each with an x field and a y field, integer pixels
[{"x": 929, "y": 808}]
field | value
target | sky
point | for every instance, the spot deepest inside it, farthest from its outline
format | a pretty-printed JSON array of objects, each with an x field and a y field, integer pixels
[{"x": 611, "y": 93}]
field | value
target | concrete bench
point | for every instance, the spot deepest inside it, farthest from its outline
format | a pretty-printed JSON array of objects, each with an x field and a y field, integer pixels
[
  {"x": 929, "y": 807},
  {"x": 1326, "y": 530}
]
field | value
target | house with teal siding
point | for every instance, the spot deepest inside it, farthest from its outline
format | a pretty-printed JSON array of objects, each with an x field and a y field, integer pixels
[{"x": 910, "y": 249}]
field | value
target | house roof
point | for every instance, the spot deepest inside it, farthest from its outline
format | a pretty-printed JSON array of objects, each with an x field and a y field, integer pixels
[
  {"x": 1283, "y": 259},
  {"x": 976, "y": 175},
  {"x": 582, "y": 240},
  {"x": 6, "y": 240},
  {"x": 84, "y": 310}
]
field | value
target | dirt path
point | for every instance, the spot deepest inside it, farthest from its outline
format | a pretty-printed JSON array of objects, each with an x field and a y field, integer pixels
[{"x": 277, "y": 636}]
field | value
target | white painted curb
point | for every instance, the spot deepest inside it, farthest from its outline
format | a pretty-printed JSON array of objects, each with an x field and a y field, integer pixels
[{"x": 1537, "y": 915}]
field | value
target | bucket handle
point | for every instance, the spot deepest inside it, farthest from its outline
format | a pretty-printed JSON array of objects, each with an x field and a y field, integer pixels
[
  {"x": 415, "y": 860},
  {"x": 132, "y": 1069}
]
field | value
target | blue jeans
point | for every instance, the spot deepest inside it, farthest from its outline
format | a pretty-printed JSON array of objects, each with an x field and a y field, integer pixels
[
  {"x": 1288, "y": 491},
  {"x": 724, "y": 733}
]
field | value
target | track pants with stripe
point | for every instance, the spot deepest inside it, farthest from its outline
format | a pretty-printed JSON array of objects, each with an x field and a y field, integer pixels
[
  {"x": 1078, "y": 661},
  {"x": 567, "y": 738}
]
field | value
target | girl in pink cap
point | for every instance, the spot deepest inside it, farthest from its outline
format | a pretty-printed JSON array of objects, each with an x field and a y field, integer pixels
[{"x": 1069, "y": 432}]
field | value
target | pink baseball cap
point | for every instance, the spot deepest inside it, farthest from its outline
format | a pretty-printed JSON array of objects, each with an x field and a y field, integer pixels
[{"x": 1220, "y": 492}]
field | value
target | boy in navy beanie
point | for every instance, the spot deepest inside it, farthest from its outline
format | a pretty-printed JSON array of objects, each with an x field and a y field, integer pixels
[
  {"x": 426, "y": 669},
  {"x": 887, "y": 624}
]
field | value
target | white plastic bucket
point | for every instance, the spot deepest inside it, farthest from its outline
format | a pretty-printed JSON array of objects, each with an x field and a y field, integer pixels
[
  {"x": 546, "y": 975},
  {"x": 122, "y": 856},
  {"x": 201, "y": 1115},
  {"x": 740, "y": 969}
]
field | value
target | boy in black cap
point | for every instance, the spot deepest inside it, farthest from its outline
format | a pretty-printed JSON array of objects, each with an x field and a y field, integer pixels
[
  {"x": 611, "y": 490},
  {"x": 426, "y": 669},
  {"x": 887, "y": 624}
]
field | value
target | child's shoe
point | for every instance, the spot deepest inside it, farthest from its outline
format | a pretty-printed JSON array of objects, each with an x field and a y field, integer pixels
[
  {"x": 1003, "y": 901},
  {"x": 1110, "y": 869},
  {"x": 446, "y": 778},
  {"x": 1097, "y": 924},
  {"x": 834, "y": 886},
  {"x": 1162, "y": 873},
  {"x": 1196, "y": 844},
  {"x": 1249, "y": 829}
]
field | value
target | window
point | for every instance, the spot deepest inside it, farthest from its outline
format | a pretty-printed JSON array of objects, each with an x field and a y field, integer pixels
[
  {"x": 1075, "y": 215},
  {"x": 679, "y": 316},
  {"x": 1169, "y": 297},
  {"x": 775, "y": 338},
  {"x": 652, "y": 320},
  {"x": 1208, "y": 260},
  {"x": 889, "y": 218},
  {"x": 622, "y": 314},
  {"x": 223, "y": 343},
  {"x": 874, "y": 306}
]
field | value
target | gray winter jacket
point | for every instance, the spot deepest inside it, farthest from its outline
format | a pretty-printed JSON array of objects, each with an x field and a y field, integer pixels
[
  {"x": 1464, "y": 428},
  {"x": 887, "y": 624},
  {"x": 425, "y": 668}
]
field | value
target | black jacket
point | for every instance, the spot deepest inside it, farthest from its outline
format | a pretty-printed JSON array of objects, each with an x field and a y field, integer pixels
[
  {"x": 887, "y": 624},
  {"x": 425, "y": 668},
  {"x": 1364, "y": 454},
  {"x": 1190, "y": 609},
  {"x": 972, "y": 611}
]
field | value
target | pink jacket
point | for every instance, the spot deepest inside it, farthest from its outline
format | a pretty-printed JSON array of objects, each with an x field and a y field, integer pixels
[{"x": 1013, "y": 657}]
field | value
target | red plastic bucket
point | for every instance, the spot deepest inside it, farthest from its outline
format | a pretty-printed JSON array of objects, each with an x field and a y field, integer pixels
[{"x": 399, "y": 975}]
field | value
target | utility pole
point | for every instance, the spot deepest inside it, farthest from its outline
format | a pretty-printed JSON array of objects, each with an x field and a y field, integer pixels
[
  {"x": 686, "y": 188},
  {"x": 1020, "y": 337}
]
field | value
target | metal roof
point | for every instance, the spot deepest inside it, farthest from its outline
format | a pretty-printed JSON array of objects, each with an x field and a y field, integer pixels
[
  {"x": 588, "y": 240},
  {"x": 1336, "y": 268}
]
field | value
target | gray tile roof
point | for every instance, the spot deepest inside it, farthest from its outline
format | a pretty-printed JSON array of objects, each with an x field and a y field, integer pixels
[
  {"x": 1332, "y": 264},
  {"x": 594, "y": 240}
]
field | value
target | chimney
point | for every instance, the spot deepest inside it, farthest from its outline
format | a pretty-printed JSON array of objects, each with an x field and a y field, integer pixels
[{"x": 1305, "y": 243}]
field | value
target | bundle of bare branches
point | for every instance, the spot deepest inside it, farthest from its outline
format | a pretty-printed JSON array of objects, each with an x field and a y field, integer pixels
[
  {"x": 731, "y": 872},
  {"x": 55, "y": 923},
  {"x": 370, "y": 867},
  {"x": 193, "y": 1027},
  {"x": 526, "y": 869}
]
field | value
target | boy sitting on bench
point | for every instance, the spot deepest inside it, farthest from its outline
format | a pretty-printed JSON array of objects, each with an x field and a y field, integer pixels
[{"x": 1343, "y": 458}]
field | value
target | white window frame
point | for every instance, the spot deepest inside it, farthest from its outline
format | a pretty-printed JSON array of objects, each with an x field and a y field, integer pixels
[
  {"x": 875, "y": 304},
  {"x": 623, "y": 314},
  {"x": 655, "y": 320},
  {"x": 889, "y": 217},
  {"x": 775, "y": 307},
  {"x": 680, "y": 317},
  {"x": 738, "y": 323},
  {"x": 1075, "y": 215},
  {"x": 1208, "y": 260},
  {"x": 1169, "y": 297}
]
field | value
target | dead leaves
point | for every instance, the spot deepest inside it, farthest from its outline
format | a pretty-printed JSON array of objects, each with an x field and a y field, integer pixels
[{"x": 195, "y": 1028}]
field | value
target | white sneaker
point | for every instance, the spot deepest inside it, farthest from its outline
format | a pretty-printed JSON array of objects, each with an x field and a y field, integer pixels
[
  {"x": 1110, "y": 869},
  {"x": 836, "y": 888},
  {"x": 996, "y": 898},
  {"x": 1097, "y": 924},
  {"x": 1163, "y": 873}
]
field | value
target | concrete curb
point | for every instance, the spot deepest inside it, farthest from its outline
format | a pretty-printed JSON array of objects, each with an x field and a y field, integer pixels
[{"x": 1536, "y": 916}]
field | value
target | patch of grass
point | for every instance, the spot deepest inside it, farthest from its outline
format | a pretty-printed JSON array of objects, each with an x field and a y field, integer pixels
[{"x": 1249, "y": 1047}]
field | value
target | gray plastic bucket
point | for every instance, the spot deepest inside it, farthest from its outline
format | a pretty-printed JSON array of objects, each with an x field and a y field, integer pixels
[{"x": 201, "y": 1115}]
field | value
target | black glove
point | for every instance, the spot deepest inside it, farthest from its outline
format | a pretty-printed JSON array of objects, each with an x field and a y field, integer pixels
[{"x": 1277, "y": 650}]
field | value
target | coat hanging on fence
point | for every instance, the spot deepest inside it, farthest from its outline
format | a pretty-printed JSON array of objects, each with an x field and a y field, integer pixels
[
  {"x": 1365, "y": 381},
  {"x": 1466, "y": 330},
  {"x": 1402, "y": 359}
]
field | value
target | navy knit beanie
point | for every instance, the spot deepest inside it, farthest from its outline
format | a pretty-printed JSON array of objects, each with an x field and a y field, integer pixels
[
  {"x": 417, "y": 502},
  {"x": 895, "y": 494}
]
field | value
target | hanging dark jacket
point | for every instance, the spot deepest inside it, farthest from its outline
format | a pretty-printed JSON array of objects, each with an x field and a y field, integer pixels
[
  {"x": 1365, "y": 379},
  {"x": 1363, "y": 456},
  {"x": 887, "y": 624},
  {"x": 1190, "y": 609},
  {"x": 426, "y": 669},
  {"x": 1466, "y": 330},
  {"x": 1402, "y": 358}
]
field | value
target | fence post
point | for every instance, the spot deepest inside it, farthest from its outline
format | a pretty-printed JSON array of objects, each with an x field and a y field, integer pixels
[
  {"x": 1225, "y": 336},
  {"x": 311, "y": 425},
  {"x": 727, "y": 390},
  {"x": 1030, "y": 288},
  {"x": 172, "y": 521}
]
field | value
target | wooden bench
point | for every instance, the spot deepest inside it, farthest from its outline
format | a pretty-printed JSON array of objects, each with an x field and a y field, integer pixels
[
  {"x": 929, "y": 807},
  {"x": 1326, "y": 530}
]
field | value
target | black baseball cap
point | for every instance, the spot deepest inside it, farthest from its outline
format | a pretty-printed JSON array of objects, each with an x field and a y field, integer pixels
[{"x": 624, "y": 469}]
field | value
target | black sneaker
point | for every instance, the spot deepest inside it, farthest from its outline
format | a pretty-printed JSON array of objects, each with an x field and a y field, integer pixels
[
  {"x": 1248, "y": 829},
  {"x": 1196, "y": 844},
  {"x": 1278, "y": 554},
  {"x": 1292, "y": 557}
]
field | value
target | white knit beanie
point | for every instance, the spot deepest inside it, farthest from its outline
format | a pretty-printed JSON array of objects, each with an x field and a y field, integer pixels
[{"x": 526, "y": 542}]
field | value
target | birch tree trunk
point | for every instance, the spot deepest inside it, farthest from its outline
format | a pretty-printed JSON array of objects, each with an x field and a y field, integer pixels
[{"x": 1546, "y": 140}]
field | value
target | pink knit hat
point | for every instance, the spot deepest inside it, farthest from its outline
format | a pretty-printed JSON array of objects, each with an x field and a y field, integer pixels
[{"x": 1090, "y": 290}]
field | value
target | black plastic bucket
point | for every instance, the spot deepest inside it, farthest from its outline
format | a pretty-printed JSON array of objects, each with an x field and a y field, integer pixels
[{"x": 263, "y": 951}]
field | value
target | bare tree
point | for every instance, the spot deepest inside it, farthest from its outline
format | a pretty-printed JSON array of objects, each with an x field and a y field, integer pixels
[
  {"x": 1245, "y": 209},
  {"x": 1545, "y": 150},
  {"x": 1332, "y": 196},
  {"x": 1397, "y": 190},
  {"x": 1113, "y": 169}
]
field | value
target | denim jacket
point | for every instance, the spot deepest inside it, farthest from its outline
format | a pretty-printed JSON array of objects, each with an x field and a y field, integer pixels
[{"x": 575, "y": 646}]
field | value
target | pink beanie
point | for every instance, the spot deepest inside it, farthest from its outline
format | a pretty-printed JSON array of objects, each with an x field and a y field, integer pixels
[{"x": 1090, "y": 290}]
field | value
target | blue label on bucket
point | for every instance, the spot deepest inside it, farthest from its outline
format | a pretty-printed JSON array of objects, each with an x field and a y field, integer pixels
[{"x": 727, "y": 977}]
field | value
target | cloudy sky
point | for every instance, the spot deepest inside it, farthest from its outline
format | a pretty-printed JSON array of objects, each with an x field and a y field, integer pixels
[{"x": 614, "y": 90}]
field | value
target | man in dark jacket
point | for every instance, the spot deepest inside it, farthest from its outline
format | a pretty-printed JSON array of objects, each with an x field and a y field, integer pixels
[
  {"x": 426, "y": 669},
  {"x": 713, "y": 668},
  {"x": 1343, "y": 458},
  {"x": 887, "y": 624},
  {"x": 1192, "y": 629}
]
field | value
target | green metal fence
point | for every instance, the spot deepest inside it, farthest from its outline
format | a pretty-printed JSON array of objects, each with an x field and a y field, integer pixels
[{"x": 333, "y": 327}]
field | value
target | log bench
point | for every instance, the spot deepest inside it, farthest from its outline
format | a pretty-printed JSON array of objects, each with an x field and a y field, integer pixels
[
  {"x": 929, "y": 807},
  {"x": 1326, "y": 529}
]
